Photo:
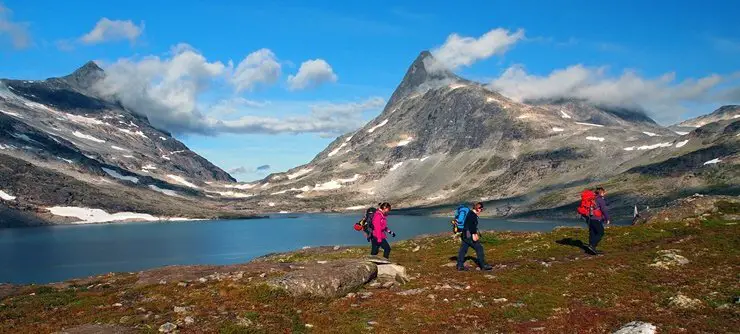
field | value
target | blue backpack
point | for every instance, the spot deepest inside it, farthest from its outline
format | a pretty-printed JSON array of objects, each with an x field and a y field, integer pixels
[{"x": 458, "y": 223}]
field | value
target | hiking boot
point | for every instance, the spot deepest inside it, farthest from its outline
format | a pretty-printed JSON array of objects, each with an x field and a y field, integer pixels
[
  {"x": 591, "y": 250},
  {"x": 486, "y": 267}
]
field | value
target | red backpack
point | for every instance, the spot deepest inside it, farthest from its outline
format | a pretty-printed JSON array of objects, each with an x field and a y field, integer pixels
[{"x": 588, "y": 204}]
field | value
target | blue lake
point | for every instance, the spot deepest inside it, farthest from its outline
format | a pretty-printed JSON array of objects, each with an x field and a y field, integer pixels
[{"x": 57, "y": 253}]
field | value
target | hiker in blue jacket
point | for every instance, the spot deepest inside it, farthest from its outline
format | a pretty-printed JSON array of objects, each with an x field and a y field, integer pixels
[
  {"x": 471, "y": 238},
  {"x": 596, "y": 223}
]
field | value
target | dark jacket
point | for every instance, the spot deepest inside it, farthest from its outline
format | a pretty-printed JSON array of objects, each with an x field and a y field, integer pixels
[
  {"x": 471, "y": 223},
  {"x": 601, "y": 205}
]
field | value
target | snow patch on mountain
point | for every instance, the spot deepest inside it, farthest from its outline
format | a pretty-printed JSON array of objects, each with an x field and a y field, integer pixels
[
  {"x": 404, "y": 142},
  {"x": 118, "y": 148},
  {"x": 371, "y": 130},
  {"x": 654, "y": 146},
  {"x": 231, "y": 194},
  {"x": 298, "y": 174},
  {"x": 395, "y": 166},
  {"x": 682, "y": 143},
  {"x": 119, "y": 176},
  {"x": 331, "y": 185},
  {"x": 168, "y": 192},
  {"x": 336, "y": 150},
  {"x": 240, "y": 186},
  {"x": 88, "y": 215},
  {"x": 558, "y": 129},
  {"x": 713, "y": 161},
  {"x": 563, "y": 114},
  {"x": 181, "y": 180},
  {"x": 650, "y": 134},
  {"x": 681, "y": 133},
  {"x": 590, "y": 124},
  {"x": 88, "y": 137},
  {"x": 601, "y": 139},
  {"x": 352, "y": 179},
  {"x": 5, "y": 196},
  {"x": 10, "y": 113}
]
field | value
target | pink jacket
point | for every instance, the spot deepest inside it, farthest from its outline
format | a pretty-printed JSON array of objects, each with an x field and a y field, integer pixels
[{"x": 380, "y": 225}]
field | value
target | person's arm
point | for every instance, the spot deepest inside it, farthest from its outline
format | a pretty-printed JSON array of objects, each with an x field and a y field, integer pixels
[
  {"x": 604, "y": 210},
  {"x": 474, "y": 228}
]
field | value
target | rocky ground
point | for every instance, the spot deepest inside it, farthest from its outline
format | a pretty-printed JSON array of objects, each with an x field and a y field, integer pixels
[{"x": 674, "y": 272}]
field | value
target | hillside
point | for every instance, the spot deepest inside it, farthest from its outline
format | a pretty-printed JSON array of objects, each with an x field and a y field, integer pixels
[
  {"x": 676, "y": 273},
  {"x": 442, "y": 139},
  {"x": 63, "y": 146}
]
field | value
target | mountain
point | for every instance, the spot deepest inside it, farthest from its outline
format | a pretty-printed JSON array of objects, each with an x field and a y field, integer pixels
[
  {"x": 442, "y": 140},
  {"x": 60, "y": 129},
  {"x": 729, "y": 112}
]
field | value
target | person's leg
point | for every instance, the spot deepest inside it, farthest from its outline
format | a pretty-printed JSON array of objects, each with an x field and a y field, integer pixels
[
  {"x": 374, "y": 246},
  {"x": 480, "y": 254},
  {"x": 386, "y": 248},
  {"x": 592, "y": 232},
  {"x": 598, "y": 233},
  {"x": 462, "y": 252}
]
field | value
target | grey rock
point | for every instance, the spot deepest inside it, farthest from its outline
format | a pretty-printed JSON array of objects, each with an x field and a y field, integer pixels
[
  {"x": 683, "y": 302},
  {"x": 393, "y": 272},
  {"x": 334, "y": 279},
  {"x": 636, "y": 327},
  {"x": 181, "y": 309},
  {"x": 189, "y": 320},
  {"x": 167, "y": 327},
  {"x": 412, "y": 292}
]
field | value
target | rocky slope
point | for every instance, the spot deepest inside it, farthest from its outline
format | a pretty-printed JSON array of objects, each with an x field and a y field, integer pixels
[
  {"x": 61, "y": 144},
  {"x": 672, "y": 274},
  {"x": 730, "y": 112},
  {"x": 442, "y": 139}
]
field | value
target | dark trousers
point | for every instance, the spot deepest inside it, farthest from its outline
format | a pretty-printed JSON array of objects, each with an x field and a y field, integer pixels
[
  {"x": 466, "y": 243},
  {"x": 383, "y": 244},
  {"x": 595, "y": 232}
]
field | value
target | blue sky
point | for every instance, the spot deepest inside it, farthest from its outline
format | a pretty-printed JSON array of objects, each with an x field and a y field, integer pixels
[{"x": 365, "y": 48}]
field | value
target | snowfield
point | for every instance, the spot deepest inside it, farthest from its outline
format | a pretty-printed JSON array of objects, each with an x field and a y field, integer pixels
[
  {"x": 600, "y": 139},
  {"x": 650, "y": 134},
  {"x": 240, "y": 186},
  {"x": 404, "y": 142},
  {"x": 299, "y": 173},
  {"x": 331, "y": 185},
  {"x": 181, "y": 180},
  {"x": 558, "y": 129},
  {"x": 371, "y": 130},
  {"x": 88, "y": 137},
  {"x": 682, "y": 143},
  {"x": 654, "y": 146},
  {"x": 88, "y": 215},
  {"x": 119, "y": 176},
  {"x": 394, "y": 167},
  {"x": 167, "y": 192},
  {"x": 5, "y": 196},
  {"x": 590, "y": 124},
  {"x": 713, "y": 161}
]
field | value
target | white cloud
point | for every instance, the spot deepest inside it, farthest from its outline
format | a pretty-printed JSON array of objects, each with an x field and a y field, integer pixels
[
  {"x": 259, "y": 67},
  {"x": 167, "y": 91},
  {"x": 324, "y": 118},
  {"x": 107, "y": 30},
  {"x": 312, "y": 73},
  {"x": 663, "y": 97},
  {"x": 17, "y": 31},
  {"x": 458, "y": 51}
]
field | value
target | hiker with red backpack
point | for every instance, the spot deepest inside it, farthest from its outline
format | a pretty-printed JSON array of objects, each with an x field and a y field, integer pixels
[
  {"x": 379, "y": 228},
  {"x": 594, "y": 210}
]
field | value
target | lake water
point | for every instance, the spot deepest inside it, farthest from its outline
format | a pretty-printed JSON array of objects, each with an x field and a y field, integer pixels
[{"x": 57, "y": 253}]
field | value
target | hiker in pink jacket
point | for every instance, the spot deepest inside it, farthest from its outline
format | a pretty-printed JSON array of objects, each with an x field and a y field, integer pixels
[{"x": 380, "y": 226}]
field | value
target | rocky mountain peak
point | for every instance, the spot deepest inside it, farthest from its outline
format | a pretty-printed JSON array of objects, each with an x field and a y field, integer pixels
[
  {"x": 85, "y": 76},
  {"x": 424, "y": 71}
]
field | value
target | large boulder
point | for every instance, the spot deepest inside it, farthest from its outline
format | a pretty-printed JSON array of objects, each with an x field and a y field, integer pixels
[
  {"x": 392, "y": 272},
  {"x": 636, "y": 327},
  {"x": 332, "y": 279}
]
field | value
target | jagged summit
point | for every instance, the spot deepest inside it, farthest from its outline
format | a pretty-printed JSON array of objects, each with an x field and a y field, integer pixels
[
  {"x": 425, "y": 69},
  {"x": 85, "y": 76}
]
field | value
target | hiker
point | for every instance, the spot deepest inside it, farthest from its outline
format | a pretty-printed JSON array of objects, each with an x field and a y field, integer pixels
[
  {"x": 470, "y": 237},
  {"x": 597, "y": 220},
  {"x": 380, "y": 227}
]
